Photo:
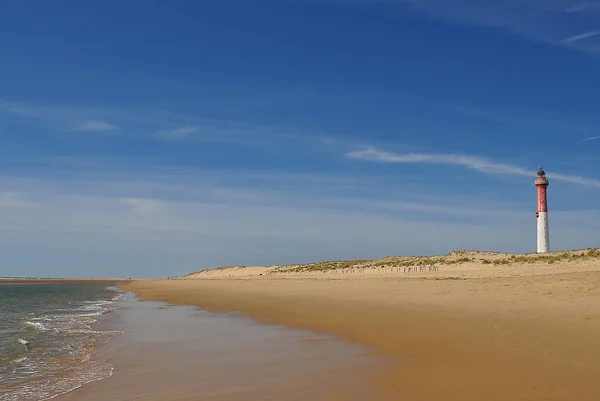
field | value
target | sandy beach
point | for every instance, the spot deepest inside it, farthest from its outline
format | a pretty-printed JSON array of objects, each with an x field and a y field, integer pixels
[{"x": 466, "y": 326}]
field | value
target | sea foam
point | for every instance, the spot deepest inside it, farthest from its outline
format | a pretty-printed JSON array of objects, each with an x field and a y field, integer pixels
[{"x": 37, "y": 325}]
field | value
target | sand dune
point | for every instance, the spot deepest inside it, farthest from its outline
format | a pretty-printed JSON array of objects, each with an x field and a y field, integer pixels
[{"x": 460, "y": 264}]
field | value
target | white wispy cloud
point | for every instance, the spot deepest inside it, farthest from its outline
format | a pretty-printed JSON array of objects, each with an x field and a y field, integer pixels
[
  {"x": 64, "y": 118},
  {"x": 548, "y": 21},
  {"x": 17, "y": 110},
  {"x": 178, "y": 133},
  {"x": 581, "y": 6},
  {"x": 581, "y": 36},
  {"x": 143, "y": 206},
  {"x": 475, "y": 163},
  {"x": 168, "y": 126},
  {"x": 574, "y": 179},
  {"x": 591, "y": 138},
  {"x": 94, "y": 126}
]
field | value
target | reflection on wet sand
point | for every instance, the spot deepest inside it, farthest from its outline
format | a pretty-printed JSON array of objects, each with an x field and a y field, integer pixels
[{"x": 181, "y": 353}]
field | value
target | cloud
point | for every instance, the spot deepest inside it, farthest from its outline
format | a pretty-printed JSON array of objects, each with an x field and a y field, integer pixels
[
  {"x": 143, "y": 206},
  {"x": 475, "y": 163},
  {"x": 169, "y": 126},
  {"x": 581, "y": 36},
  {"x": 548, "y": 21},
  {"x": 83, "y": 235},
  {"x": 17, "y": 110},
  {"x": 591, "y": 138},
  {"x": 130, "y": 218},
  {"x": 574, "y": 179},
  {"x": 64, "y": 118},
  {"x": 73, "y": 115},
  {"x": 180, "y": 133},
  {"x": 94, "y": 126},
  {"x": 581, "y": 6}
]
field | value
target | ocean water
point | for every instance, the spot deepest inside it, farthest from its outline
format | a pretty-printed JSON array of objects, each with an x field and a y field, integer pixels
[{"x": 46, "y": 338}]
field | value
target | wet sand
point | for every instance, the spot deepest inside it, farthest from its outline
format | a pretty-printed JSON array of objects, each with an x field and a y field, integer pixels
[
  {"x": 183, "y": 353},
  {"x": 530, "y": 337}
]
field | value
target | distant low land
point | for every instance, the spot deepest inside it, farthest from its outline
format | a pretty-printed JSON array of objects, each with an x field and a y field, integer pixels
[{"x": 466, "y": 326}]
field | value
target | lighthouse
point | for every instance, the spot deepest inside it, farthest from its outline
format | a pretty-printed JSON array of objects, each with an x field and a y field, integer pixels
[{"x": 543, "y": 232}]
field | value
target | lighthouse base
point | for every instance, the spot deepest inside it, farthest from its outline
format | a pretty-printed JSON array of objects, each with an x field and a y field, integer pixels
[{"x": 543, "y": 233}]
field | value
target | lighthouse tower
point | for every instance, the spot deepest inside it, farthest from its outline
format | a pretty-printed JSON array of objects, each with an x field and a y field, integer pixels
[{"x": 543, "y": 232}]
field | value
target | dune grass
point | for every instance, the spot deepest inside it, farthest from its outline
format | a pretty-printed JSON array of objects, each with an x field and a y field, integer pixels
[{"x": 452, "y": 258}]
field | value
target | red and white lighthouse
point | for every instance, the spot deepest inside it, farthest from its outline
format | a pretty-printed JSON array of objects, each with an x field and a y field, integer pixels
[{"x": 543, "y": 232}]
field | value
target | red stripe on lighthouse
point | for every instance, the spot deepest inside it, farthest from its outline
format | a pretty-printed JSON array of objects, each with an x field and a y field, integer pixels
[{"x": 542, "y": 200}]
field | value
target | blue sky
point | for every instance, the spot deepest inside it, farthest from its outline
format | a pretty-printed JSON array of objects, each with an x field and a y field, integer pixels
[{"x": 152, "y": 138}]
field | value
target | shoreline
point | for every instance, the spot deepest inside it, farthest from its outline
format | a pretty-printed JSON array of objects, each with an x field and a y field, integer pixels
[
  {"x": 58, "y": 328},
  {"x": 100, "y": 324},
  {"x": 496, "y": 338},
  {"x": 184, "y": 353}
]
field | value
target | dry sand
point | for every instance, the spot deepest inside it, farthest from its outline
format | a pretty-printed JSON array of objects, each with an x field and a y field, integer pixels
[{"x": 456, "y": 327}]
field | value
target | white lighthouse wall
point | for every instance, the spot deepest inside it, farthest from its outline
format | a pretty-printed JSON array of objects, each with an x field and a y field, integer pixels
[{"x": 543, "y": 233}]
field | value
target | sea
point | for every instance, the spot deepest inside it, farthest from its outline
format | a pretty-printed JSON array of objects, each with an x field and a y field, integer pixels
[{"x": 46, "y": 337}]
